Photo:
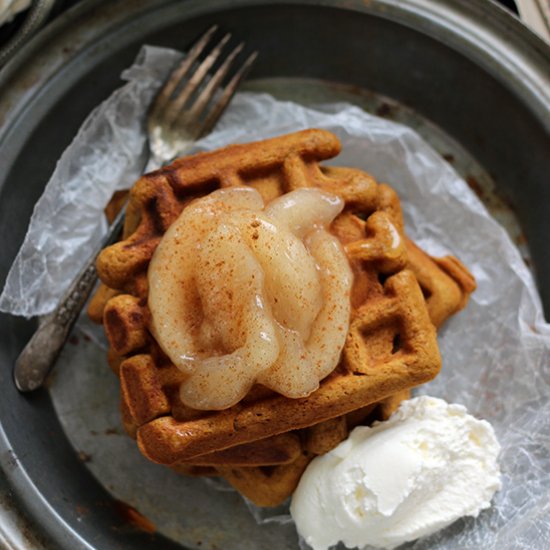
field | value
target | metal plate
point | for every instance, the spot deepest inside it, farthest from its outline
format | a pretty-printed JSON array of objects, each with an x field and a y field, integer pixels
[{"x": 468, "y": 68}]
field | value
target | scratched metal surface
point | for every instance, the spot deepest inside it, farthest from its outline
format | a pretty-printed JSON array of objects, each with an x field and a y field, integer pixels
[
  {"x": 85, "y": 392},
  {"x": 187, "y": 510},
  {"x": 61, "y": 449}
]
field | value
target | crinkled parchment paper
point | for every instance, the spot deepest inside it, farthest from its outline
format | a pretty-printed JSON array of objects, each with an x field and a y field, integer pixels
[{"x": 496, "y": 353}]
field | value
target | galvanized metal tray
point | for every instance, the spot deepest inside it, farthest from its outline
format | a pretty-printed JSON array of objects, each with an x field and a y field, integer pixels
[{"x": 477, "y": 86}]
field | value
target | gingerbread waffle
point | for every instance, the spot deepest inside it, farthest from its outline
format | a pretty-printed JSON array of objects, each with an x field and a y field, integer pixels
[
  {"x": 391, "y": 344},
  {"x": 445, "y": 282},
  {"x": 446, "y": 292}
]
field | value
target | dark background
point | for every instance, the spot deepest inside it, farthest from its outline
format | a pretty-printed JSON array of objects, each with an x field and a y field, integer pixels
[
  {"x": 64, "y": 4},
  {"x": 61, "y": 5},
  {"x": 509, "y": 4}
]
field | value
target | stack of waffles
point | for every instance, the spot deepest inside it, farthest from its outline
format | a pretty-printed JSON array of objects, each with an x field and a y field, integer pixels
[{"x": 399, "y": 297}]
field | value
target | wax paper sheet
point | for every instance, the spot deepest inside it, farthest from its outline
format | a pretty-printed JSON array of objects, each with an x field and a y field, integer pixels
[
  {"x": 496, "y": 353},
  {"x": 108, "y": 153}
]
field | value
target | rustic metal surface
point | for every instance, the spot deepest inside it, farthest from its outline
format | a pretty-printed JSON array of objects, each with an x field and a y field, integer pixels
[{"x": 467, "y": 67}]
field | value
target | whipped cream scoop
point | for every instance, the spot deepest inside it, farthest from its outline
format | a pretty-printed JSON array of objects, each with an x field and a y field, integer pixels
[{"x": 428, "y": 465}]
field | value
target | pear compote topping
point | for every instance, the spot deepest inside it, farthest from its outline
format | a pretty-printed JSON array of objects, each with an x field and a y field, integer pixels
[{"x": 243, "y": 293}]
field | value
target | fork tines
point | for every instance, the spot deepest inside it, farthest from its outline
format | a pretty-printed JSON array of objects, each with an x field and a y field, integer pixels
[{"x": 193, "y": 95}]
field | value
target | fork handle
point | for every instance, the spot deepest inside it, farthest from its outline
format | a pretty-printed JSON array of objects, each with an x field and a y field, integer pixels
[{"x": 39, "y": 355}]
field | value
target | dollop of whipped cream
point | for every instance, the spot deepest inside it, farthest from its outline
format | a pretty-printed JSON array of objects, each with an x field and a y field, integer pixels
[
  {"x": 241, "y": 292},
  {"x": 428, "y": 465}
]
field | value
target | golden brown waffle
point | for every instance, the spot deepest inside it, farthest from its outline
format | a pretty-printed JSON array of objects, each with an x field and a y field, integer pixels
[
  {"x": 267, "y": 486},
  {"x": 446, "y": 292},
  {"x": 391, "y": 345},
  {"x": 271, "y": 485},
  {"x": 445, "y": 282}
]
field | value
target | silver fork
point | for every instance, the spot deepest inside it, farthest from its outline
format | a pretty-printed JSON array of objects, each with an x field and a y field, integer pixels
[{"x": 186, "y": 108}]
